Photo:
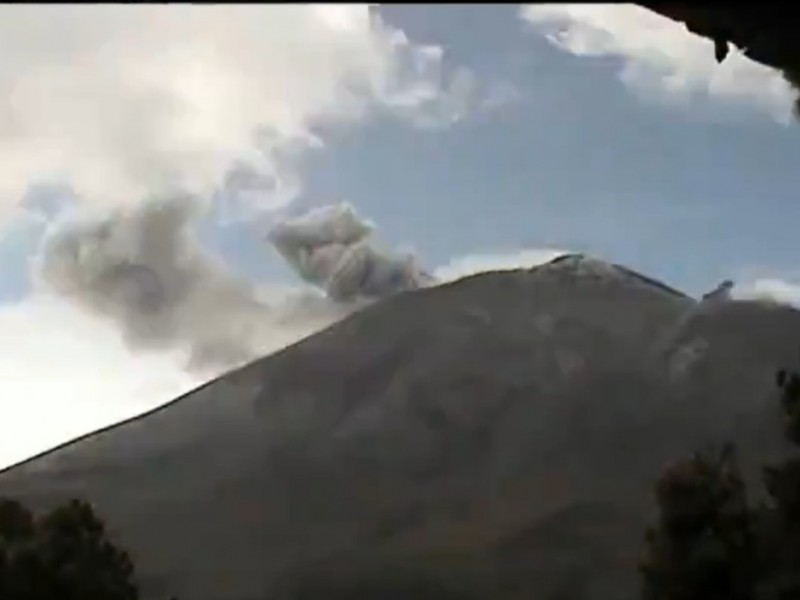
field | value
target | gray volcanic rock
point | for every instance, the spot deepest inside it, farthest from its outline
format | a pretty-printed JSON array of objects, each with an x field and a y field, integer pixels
[{"x": 496, "y": 437}]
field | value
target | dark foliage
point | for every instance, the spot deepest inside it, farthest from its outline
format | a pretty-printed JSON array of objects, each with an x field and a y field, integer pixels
[
  {"x": 64, "y": 555},
  {"x": 708, "y": 544},
  {"x": 702, "y": 546},
  {"x": 779, "y": 518}
]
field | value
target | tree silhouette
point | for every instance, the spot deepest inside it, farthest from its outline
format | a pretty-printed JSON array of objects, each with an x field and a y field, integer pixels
[
  {"x": 779, "y": 517},
  {"x": 708, "y": 544},
  {"x": 702, "y": 546},
  {"x": 65, "y": 555}
]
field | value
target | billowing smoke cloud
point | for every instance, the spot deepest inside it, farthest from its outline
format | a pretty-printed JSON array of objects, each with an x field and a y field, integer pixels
[
  {"x": 144, "y": 269},
  {"x": 332, "y": 248},
  {"x": 217, "y": 102}
]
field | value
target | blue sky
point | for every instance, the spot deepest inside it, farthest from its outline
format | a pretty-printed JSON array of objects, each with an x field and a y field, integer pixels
[
  {"x": 689, "y": 194},
  {"x": 598, "y": 129},
  {"x": 576, "y": 160}
]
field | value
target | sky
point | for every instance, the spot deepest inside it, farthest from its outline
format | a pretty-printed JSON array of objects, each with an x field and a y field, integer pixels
[{"x": 473, "y": 137}]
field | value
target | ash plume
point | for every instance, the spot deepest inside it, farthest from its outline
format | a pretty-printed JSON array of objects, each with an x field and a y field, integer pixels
[
  {"x": 144, "y": 269},
  {"x": 332, "y": 248}
]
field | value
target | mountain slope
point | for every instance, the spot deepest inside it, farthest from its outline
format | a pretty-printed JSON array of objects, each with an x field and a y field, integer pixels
[{"x": 495, "y": 437}]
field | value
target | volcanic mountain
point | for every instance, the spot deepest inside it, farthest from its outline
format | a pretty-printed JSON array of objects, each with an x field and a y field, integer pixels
[{"x": 496, "y": 437}]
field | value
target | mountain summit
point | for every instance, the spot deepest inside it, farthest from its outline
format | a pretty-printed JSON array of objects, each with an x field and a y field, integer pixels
[{"x": 496, "y": 437}]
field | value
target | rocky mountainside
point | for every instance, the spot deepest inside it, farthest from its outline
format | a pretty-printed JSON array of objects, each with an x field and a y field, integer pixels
[{"x": 496, "y": 437}]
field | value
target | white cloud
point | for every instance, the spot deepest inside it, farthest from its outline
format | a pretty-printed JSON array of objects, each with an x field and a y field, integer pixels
[
  {"x": 769, "y": 288},
  {"x": 122, "y": 100},
  {"x": 471, "y": 264},
  {"x": 660, "y": 58},
  {"x": 63, "y": 373}
]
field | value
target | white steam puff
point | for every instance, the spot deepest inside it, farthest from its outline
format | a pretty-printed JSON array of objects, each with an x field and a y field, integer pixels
[{"x": 332, "y": 248}]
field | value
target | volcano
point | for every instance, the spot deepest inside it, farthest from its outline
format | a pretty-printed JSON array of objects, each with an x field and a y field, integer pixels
[{"x": 495, "y": 437}]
